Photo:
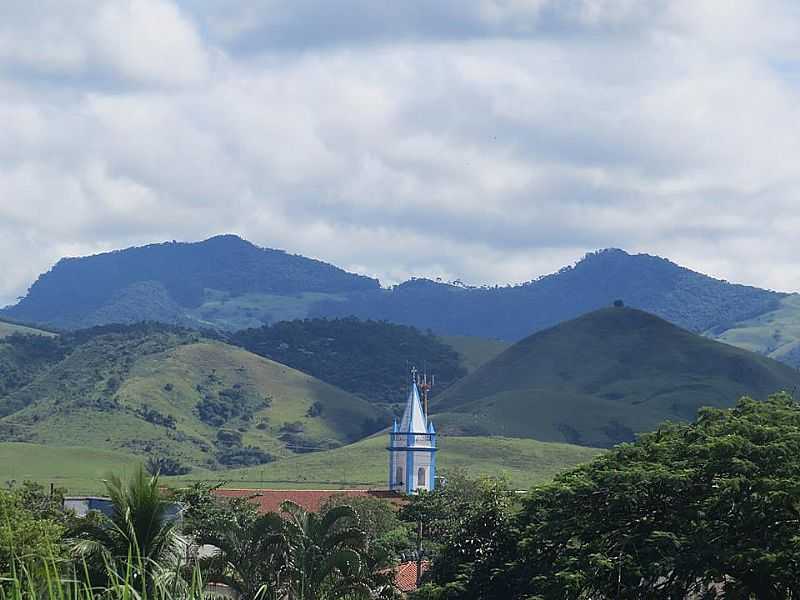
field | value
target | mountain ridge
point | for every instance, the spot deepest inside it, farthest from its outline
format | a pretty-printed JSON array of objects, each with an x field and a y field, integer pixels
[{"x": 228, "y": 284}]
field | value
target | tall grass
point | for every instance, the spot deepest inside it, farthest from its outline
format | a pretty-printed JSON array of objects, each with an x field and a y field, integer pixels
[{"x": 49, "y": 579}]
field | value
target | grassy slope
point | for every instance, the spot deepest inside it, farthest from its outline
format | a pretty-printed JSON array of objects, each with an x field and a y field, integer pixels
[
  {"x": 474, "y": 351},
  {"x": 601, "y": 378},
  {"x": 60, "y": 414},
  {"x": 80, "y": 470},
  {"x": 7, "y": 329},
  {"x": 525, "y": 462},
  {"x": 363, "y": 464},
  {"x": 775, "y": 334}
]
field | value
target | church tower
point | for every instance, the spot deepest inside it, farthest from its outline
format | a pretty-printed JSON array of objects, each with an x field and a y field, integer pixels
[{"x": 412, "y": 445}]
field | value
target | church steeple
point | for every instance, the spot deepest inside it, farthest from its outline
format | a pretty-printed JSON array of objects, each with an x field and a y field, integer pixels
[{"x": 412, "y": 446}]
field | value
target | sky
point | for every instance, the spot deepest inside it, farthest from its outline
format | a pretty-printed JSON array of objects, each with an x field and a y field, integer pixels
[{"x": 486, "y": 140}]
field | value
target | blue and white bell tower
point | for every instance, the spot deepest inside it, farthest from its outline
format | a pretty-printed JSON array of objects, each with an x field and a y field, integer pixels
[{"x": 412, "y": 445}]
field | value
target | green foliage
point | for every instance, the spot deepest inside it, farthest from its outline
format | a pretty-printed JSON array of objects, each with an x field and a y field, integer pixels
[
  {"x": 138, "y": 534},
  {"x": 684, "y": 508},
  {"x": 468, "y": 527},
  {"x": 298, "y": 555},
  {"x": 218, "y": 408},
  {"x": 602, "y": 378},
  {"x": 387, "y": 536},
  {"x": 29, "y": 529},
  {"x": 368, "y": 358},
  {"x": 243, "y": 456},
  {"x": 325, "y": 554},
  {"x": 22, "y": 357}
]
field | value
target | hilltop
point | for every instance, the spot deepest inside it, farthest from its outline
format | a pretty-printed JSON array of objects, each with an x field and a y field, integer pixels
[
  {"x": 599, "y": 379},
  {"x": 691, "y": 300},
  {"x": 224, "y": 282},
  {"x": 167, "y": 392}
]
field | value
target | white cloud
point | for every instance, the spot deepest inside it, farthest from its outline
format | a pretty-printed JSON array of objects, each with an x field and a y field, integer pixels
[
  {"x": 490, "y": 140},
  {"x": 116, "y": 41}
]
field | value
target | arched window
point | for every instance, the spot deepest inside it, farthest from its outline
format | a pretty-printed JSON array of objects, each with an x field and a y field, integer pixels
[
  {"x": 421, "y": 477},
  {"x": 398, "y": 476}
]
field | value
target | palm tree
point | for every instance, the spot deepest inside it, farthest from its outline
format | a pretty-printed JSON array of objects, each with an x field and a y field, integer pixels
[
  {"x": 250, "y": 556},
  {"x": 136, "y": 540},
  {"x": 324, "y": 554}
]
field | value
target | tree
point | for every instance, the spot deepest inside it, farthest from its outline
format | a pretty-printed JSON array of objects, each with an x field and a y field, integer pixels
[
  {"x": 251, "y": 556},
  {"x": 27, "y": 535},
  {"x": 386, "y": 536},
  {"x": 472, "y": 522},
  {"x": 324, "y": 554},
  {"x": 712, "y": 503},
  {"x": 139, "y": 534}
]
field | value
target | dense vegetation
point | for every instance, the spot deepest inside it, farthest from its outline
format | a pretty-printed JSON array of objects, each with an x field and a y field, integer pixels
[
  {"x": 369, "y": 358},
  {"x": 140, "y": 550},
  {"x": 600, "y": 379},
  {"x": 168, "y": 393},
  {"x": 704, "y": 510},
  {"x": 686, "y": 298},
  {"x": 155, "y": 282}
]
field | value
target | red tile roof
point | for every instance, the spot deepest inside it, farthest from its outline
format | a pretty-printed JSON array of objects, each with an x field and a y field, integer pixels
[
  {"x": 312, "y": 500},
  {"x": 405, "y": 575}
]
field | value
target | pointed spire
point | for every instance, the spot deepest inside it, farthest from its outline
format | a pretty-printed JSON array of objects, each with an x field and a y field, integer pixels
[
  {"x": 430, "y": 427},
  {"x": 413, "y": 420}
]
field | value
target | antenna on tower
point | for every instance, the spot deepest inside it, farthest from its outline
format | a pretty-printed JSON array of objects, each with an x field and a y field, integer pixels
[{"x": 425, "y": 387}]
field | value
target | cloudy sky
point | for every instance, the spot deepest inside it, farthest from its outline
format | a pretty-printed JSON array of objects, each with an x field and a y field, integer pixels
[{"x": 487, "y": 140}]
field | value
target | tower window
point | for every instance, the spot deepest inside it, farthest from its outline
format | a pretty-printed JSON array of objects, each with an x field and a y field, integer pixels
[
  {"x": 398, "y": 476},
  {"x": 421, "y": 477}
]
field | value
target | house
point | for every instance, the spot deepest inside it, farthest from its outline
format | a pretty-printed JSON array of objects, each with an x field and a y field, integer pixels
[{"x": 405, "y": 575}]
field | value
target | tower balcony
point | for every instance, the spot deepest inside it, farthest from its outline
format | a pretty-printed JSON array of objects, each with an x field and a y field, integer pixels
[{"x": 405, "y": 441}]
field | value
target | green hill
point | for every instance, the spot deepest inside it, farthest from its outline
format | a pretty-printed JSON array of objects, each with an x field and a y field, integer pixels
[
  {"x": 153, "y": 390},
  {"x": 368, "y": 358},
  {"x": 600, "y": 378},
  {"x": 364, "y": 464}
]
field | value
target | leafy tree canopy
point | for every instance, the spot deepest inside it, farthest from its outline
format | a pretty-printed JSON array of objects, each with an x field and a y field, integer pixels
[{"x": 688, "y": 508}]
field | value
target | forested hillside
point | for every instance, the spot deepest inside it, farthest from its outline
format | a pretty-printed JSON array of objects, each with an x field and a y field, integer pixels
[
  {"x": 369, "y": 358},
  {"x": 601, "y": 378},
  {"x": 683, "y": 297},
  {"x": 165, "y": 281}
]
